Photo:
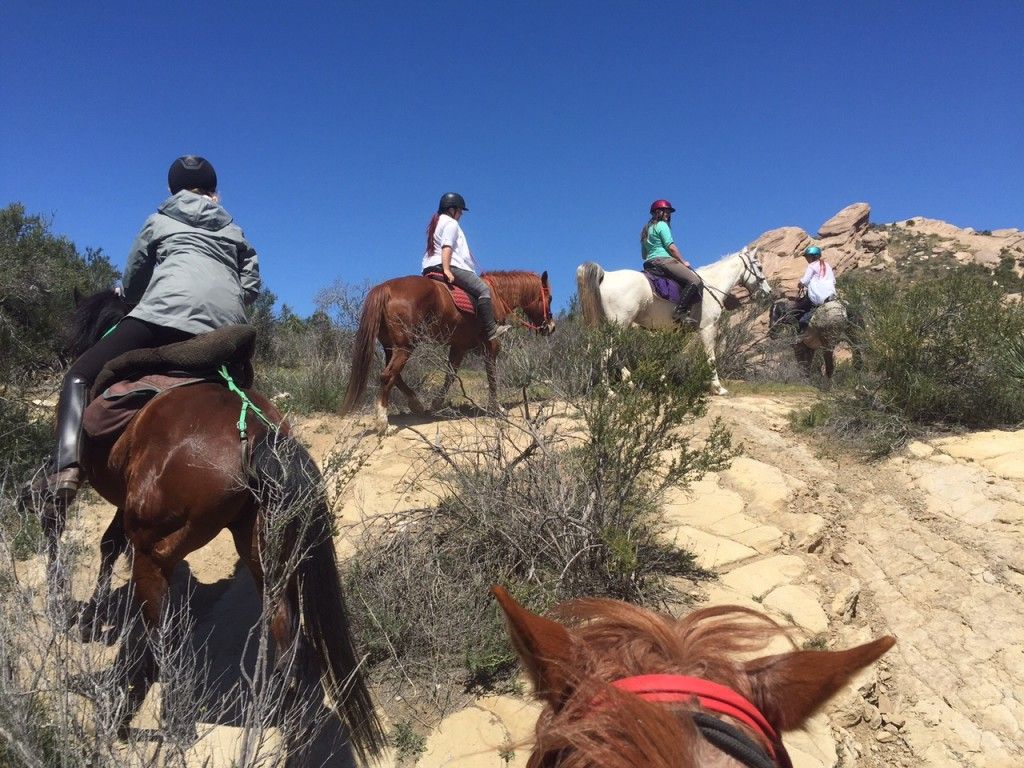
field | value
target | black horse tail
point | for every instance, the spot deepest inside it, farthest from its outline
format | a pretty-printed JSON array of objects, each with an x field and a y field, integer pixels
[
  {"x": 294, "y": 512},
  {"x": 362, "y": 349},
  {"x": 588, "y": 287}
]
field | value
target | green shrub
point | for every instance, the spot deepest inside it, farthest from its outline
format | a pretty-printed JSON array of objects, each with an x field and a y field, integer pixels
[
  {"x": 562, "y": 503},
  {"x": 941, "y": 352}
]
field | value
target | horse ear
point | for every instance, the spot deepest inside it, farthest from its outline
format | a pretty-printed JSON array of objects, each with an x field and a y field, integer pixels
[
  {"x": 544, "y": 278},
  {"x": 789, "y": 687},
  {"x": 76, "y": 295},
  {"x": 544, "y": 647}
]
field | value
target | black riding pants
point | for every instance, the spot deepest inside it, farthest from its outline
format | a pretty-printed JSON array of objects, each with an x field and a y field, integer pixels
[{"x": 129, "y": 334}]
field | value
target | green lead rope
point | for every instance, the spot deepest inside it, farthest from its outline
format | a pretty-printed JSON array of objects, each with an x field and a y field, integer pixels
[{"x": 247, "y": 404}]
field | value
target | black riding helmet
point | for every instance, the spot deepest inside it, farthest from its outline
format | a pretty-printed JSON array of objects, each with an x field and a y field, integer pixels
[
  {"x": 451, "y": 200},
  {"x": 191, "y": 172}
]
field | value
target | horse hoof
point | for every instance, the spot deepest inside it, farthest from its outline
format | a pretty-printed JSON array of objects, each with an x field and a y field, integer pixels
[{"x": 721, "y": 391}]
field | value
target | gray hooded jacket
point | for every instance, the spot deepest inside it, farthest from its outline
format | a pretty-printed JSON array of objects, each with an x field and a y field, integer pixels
[{"x": 191, "y": 267}]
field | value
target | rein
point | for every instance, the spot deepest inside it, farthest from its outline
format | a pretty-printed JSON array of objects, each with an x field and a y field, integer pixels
[
  {"x": 525, "y": 323},
  {"x": 747, "y": 267},
  {"x": 666, "y": 689}
]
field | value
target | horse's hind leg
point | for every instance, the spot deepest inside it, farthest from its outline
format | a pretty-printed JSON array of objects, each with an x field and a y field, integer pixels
[
  {"x": 114, "y": 542},
  {"x": 396, "y": 358},
  {"x": 455, "y": 355},
  {"x": 292, "y": 658},
  {"x": 136, "y": 664}
]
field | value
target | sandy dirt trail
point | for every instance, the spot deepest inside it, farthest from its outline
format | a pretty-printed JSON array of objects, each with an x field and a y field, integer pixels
[{"x": 928, "y": 546}]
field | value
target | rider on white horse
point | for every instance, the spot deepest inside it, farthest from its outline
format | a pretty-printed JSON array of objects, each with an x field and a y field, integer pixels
[{"x": 663, "y": 259}]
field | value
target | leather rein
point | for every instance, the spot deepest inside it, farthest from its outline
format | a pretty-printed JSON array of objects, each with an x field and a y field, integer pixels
[{"x": 748, "y": 266}]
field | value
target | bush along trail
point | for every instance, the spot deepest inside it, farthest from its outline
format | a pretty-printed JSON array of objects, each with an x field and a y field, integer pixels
[{"x": 924, "y": 545}]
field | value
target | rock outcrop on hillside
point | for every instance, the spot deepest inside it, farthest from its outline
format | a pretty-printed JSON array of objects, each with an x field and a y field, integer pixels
[{"x": 849, "y": 241}]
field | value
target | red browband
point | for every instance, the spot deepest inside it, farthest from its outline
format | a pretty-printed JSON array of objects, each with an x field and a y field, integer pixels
[{"x": 711, "y": 696}]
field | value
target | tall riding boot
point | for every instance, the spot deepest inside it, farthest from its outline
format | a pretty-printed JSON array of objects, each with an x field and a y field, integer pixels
[
  {"x": 491, "y": 329},
  {"x": 688, "y": 298},
  {"x": 73, "y": 399}
]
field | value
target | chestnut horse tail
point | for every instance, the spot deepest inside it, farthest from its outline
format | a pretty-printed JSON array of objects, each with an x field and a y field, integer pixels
[
  {"x": 293, "y": 508},
  {"x": 364, "y": 345},
  {"x": 588, "y": 287}
]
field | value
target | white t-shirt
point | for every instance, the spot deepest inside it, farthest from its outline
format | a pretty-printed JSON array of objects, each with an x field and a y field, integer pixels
[
  {"x": 819, "y": 286},
  {"x": 449, "y": 233}
]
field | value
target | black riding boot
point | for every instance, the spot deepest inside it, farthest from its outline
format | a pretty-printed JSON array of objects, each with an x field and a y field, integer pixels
[
  {"x": 491, "y": 329},
  {"x": 689, "y": 297},
  {"x": 62, "y": 484}
]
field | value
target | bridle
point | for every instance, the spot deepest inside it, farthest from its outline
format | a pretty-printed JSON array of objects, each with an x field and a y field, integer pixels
[
  {"x": 749, "y": 267},
  {"x": 721, "y": 700},
  {"x": 545, "y": 308}
]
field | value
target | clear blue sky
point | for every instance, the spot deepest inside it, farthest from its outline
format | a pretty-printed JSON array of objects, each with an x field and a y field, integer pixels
[{"x": 334, "y": 127}]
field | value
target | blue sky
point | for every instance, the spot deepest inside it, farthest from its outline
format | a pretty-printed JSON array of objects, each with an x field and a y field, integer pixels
[{"x": 335, "y": 127}]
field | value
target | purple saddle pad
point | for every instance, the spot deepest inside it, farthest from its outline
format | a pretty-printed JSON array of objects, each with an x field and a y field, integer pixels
[{"x": 663, "y": 287}]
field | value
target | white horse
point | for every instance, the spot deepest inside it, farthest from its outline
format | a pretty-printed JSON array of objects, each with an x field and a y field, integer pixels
[{"x": 625, "y": 296}]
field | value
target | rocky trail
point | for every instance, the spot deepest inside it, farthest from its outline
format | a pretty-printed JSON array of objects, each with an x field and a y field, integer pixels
[{"x": 926, "y": 546}]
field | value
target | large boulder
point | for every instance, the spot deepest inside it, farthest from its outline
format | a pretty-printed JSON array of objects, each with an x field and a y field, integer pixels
[{"x": 850, "y": 221}]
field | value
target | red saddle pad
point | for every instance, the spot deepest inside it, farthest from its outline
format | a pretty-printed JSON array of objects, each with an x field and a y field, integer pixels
[{"x": 463, "y": 301}]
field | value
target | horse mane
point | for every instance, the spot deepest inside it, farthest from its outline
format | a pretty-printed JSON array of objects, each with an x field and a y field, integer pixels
[
  {"x": 614, "y": 640},
  {"x": 517, "y": 284},
  {"x": 94, "y": 315}
]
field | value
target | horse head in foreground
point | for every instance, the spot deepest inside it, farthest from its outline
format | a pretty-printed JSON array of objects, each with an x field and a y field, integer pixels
[
  {"x": 624, "y": 296},
  {"x": 624, "y": 686}
]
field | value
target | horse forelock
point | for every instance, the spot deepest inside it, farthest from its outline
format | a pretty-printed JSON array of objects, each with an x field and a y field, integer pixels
[{"x": 616, "y": 640}]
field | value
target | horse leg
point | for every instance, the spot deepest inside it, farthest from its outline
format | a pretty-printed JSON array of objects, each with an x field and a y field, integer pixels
[
  {"x": 294, "y": 661},
  {"x": 804, "y": 356},
  {"x": 414, "y": 402},
  {"x": 830, "y": 362},
  {"x": 491, "y": 366},
  {"x": 707, "y": 336},
  {"x": 53, "y": 518},
  {"x": 455, "y": 355},
  {"x": 136, "y": 664},
  {"x": 395, "y": 359},
  {"x": 114, "y": 542}
]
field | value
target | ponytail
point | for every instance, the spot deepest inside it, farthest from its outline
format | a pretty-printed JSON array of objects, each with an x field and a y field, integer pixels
[
  {"x": 643, "y": 233},
  {"x": 431, "y": 228}
]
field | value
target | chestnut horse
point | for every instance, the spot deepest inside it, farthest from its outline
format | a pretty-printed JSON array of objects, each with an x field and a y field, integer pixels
[
  {"x": 406, "y": 310},
  {"x": 177, "y": 479},
  {"x": 624, "y": 686}
]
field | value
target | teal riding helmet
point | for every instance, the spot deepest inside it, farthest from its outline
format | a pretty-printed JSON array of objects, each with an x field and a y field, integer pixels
[{"x": 813, "y": 251}]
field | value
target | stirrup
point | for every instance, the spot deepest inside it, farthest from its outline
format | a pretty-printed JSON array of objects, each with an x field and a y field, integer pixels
[{"x": 498, "y": 331}]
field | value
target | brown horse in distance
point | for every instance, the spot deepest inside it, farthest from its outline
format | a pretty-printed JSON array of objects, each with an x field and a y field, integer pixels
[
  {"x": 406, "y": 310},
  {"x": 177, "y": 479},
  {"x": 621, "y": 685}
]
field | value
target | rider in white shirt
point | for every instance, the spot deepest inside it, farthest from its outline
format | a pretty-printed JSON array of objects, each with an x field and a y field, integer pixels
[
  {"x": 448, "y": 252},
  {"x": 817, "y": 286}
]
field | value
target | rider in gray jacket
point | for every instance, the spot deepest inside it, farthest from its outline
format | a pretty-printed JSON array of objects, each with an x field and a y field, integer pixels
[{"x": 190, "y": 271}]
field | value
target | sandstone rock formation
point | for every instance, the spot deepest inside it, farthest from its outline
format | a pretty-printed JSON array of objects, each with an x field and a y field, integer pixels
[{"x": 849, "y": 241}]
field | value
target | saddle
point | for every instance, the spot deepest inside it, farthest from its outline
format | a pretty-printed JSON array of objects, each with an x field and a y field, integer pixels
[
  {"x": 130, "y": 381},
  {"x": 664, "y": 287},
  {"x": 831, "y": 314},
  {"x": 667, "y": 288},
  {"x": 463, "y": 301}
]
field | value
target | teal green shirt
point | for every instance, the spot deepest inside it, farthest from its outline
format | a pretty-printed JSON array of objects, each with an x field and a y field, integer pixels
[{"x": 659, "y": 238}]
